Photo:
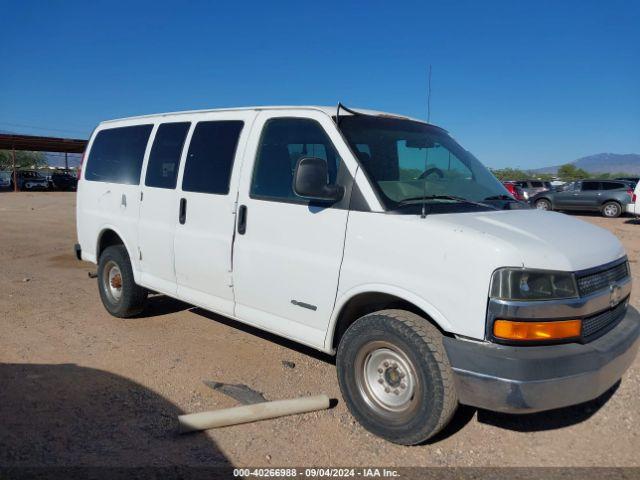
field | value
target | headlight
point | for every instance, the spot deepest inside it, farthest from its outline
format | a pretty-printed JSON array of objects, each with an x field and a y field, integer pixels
[{"x": 523, "y": 284}]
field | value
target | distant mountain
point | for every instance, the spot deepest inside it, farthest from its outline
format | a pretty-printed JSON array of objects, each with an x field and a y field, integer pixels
[{"x": 603, "y": 163}]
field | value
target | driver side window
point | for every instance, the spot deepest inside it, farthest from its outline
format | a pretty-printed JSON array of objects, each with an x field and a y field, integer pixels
[{"x": 284, "y": 141}]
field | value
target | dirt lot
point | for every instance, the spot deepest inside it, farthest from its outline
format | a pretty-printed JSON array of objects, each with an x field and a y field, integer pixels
[{"x": 79, "y": 387}]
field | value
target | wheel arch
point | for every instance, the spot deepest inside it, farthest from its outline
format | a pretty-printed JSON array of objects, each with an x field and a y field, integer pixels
[
  {"x": 544, "y": 197},
  {"x": 109, "y": 236},
  {"x": 610, "y": 200},
  {"x": 367, "y": 299}
]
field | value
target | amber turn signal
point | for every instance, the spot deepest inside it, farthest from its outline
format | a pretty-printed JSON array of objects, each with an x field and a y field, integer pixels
[{"x": 513, "y": 330}]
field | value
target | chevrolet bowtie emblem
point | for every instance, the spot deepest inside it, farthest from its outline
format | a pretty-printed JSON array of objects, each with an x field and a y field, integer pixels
[{"x": 615, "y": 292}]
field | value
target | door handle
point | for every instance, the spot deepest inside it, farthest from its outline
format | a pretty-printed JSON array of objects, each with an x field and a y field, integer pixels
[
  {"x": 242, "y": 219},
  {"x": 182, "y": 216}
]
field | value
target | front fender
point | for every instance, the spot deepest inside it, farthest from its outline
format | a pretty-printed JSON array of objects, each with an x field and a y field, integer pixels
[{"x": 406, "y": 295}]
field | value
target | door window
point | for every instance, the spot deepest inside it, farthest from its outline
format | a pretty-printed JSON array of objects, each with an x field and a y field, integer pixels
[
  {"x": 284, "y": 141},
  {"x": 164, "y": 159},
  {"x": 590, "y": 186},
  {"x": 210, "y": 158}
]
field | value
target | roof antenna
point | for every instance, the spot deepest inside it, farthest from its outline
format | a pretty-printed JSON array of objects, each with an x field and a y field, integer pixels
[
  {"x": 429, "y": 97},
  {"x": 423, "y": 212}
]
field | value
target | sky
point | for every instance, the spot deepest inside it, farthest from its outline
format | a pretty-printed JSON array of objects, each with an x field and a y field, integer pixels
[{"x": 521, "y": 84}]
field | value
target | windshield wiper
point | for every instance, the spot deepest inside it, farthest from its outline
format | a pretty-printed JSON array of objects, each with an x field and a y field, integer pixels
[
  {"x": 500, "y": 197},
  {"x": 455, "y": 198}
]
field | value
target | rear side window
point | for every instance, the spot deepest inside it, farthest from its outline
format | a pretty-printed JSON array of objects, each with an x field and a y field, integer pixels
[
  {"x": 210, "y": 158},
  {"x": 537, "y": 184},
  {"x": 164, "y": 160},
  {"x": 284, "y": 141},
  {"x": 613, "y": 185},
  {"x": 117, "y": 154},
  {"x": 590, "y": 186}
]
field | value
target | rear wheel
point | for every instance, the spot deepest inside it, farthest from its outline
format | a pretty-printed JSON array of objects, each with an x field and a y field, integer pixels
[
  {"x": 120, "y": 294},
  {"x": 395, "y": 376},
  {"x": 611, "y": 209},
  {"x": 543, "y": 204}
]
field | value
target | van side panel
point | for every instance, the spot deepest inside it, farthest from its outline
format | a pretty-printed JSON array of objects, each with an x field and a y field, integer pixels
[
  {"x": 103, "y": 205},
  {"x": 204, "y": 236},
  {"x": 159, "y": 207}
]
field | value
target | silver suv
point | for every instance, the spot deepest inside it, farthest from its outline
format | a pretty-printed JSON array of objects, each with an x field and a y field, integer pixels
[{"x": 610, "y": 197}]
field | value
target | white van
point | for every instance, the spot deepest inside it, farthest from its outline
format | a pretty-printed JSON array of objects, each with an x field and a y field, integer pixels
[{"x": 367, "y": 235}]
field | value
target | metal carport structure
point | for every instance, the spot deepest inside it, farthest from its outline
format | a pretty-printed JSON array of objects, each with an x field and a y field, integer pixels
[{"x": 13, "y": 142}]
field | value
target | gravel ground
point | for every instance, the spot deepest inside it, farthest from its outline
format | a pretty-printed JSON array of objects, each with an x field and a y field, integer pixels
[{"x": 79, "y": 387}]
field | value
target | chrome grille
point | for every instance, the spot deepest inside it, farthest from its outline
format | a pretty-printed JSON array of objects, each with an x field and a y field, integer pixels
[
  {"x": 597, "y": 325},
  {"x": 592, "y": 282}
]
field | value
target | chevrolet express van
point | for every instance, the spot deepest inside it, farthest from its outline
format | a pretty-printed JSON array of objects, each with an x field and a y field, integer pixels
[{"x": 367, "y": 235}]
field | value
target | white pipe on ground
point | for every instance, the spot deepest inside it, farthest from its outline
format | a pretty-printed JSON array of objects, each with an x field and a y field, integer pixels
[{"x": 251, "y": 413}]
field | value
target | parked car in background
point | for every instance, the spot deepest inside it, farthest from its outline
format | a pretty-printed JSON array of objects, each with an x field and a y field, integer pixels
[
  {"x": 532, "y": 187},
  {"x": 64, "y": 180},
  {"x": 515, "y": 190},
  {"x": 47, "y": 176},
  {"x": 5, "y": 180},
  {"x": 425, "y": 288},
  {"x": 610, "y": 197},
  {"x": 31, "y": 180},
  {"x": 633, "y": 208}
]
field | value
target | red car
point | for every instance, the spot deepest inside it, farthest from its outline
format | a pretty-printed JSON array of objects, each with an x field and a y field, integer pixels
[{"x": 515, "y": 191}]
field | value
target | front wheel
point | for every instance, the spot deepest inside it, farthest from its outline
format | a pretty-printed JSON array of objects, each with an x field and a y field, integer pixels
[
  {"x": 120, "y": 294},
  {"x": 395, "y": 376},
  {"x": 611, "y": 209},
  {"x": 543, "y": 204}
]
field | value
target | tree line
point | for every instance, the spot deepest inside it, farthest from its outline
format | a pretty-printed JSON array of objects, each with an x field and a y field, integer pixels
[
  {"x": 566, "y": 173},
  {"x": 24, "y": 159}
]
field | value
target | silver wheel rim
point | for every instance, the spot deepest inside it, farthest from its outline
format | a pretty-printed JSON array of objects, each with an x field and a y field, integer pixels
[
  {"x": 112, "y": 281},
  {"x": 542, "y": 205},
  {"x": 611, "y": 210},
  {"x": 387, "y": 380}
]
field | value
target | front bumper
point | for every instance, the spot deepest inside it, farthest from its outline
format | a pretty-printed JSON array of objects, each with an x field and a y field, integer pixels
[{"x": 530, "y": 379}]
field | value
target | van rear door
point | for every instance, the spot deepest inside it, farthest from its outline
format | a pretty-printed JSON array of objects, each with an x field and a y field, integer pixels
[{"x": 204, "y": 212}]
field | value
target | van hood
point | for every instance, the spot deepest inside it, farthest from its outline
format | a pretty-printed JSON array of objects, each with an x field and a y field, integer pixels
[{"x": 546, "y": 240}]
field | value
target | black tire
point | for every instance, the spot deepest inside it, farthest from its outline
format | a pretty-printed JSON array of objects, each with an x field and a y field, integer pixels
[
  {"x": 611, "y": 209},
  {"x": 543, "y": 204},
  {"x": 418, "y": 344},
  {"x": 132, "y": 297}
]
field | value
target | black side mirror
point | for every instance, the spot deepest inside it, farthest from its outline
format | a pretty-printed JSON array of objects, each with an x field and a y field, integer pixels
[{"x": 311, "y": 181}]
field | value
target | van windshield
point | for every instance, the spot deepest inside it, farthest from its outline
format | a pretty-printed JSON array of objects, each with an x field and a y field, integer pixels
[{"x": 408, "y": 162}]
